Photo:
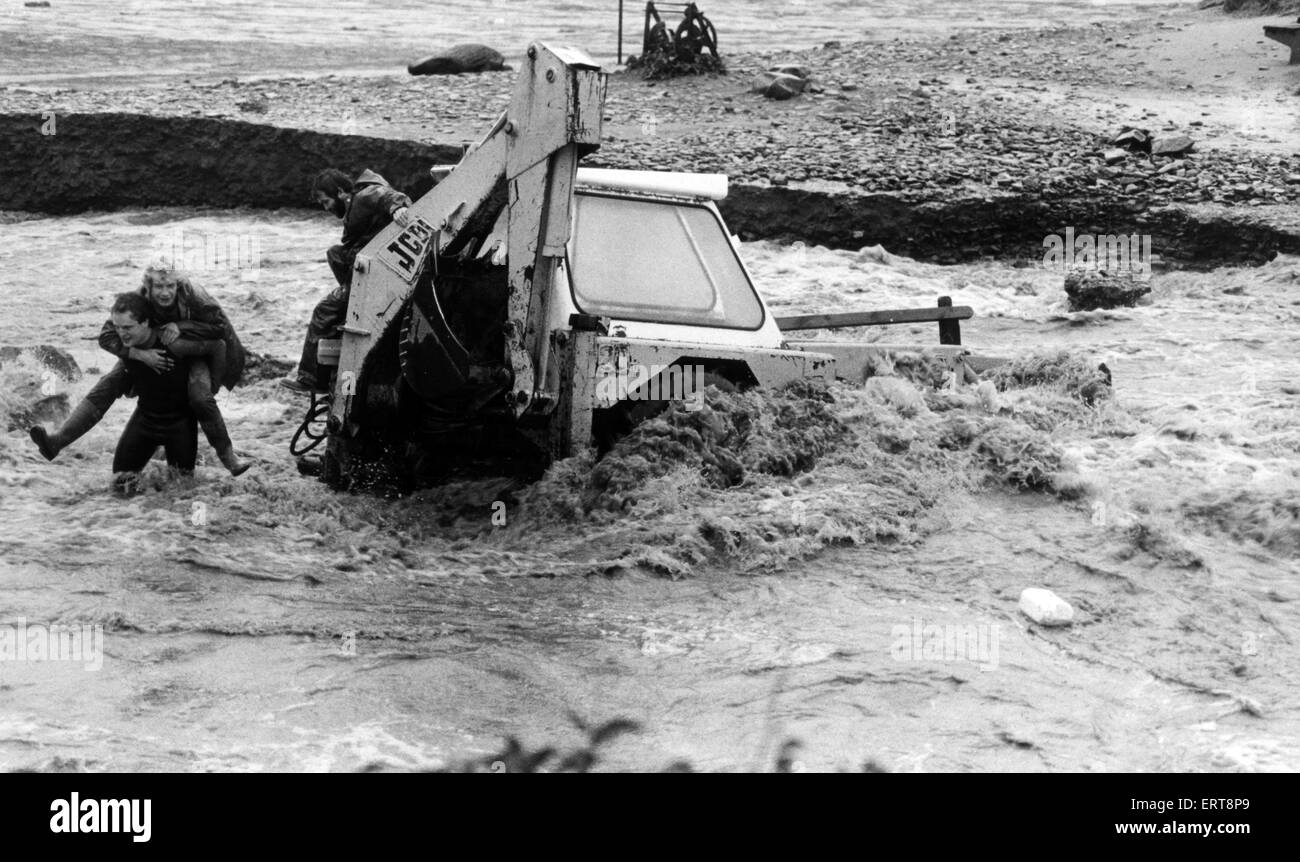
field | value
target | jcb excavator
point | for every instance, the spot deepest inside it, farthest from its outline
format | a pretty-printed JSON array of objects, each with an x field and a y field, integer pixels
[{"x": 531, "y": 308}]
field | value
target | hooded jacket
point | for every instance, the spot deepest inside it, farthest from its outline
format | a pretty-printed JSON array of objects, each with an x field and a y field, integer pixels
[
  {"x": 198, "y": 317},
  {"x": 373, "y": 203}
]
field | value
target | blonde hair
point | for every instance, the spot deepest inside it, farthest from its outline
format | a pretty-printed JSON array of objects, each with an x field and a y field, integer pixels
[
  {"x": 161, "y": 266},
  {"x": 188, "y": 297}
]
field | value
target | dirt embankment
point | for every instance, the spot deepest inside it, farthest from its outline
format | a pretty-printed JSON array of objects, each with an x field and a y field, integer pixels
[{"x": 111, "y": 161}]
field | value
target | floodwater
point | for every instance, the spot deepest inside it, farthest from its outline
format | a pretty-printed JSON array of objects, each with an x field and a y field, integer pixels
[
  {"x": 73, "y": 42},
  {"x": 265, "y": 623}
]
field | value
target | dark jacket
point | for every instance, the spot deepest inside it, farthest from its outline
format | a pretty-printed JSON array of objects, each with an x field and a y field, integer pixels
[
  {"x": 373, "y": 203},
  {"x": 199, "y": 318},
  {"x": 161, "y": 396}
]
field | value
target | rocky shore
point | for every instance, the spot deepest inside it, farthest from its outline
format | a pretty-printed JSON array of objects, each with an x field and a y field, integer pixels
[{"x": 998, "y": 117}]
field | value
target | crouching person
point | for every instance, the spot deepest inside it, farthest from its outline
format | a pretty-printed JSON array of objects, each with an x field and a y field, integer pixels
[{"x": 366, "y": 207}]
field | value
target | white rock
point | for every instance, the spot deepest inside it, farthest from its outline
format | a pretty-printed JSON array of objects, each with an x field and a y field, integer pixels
[{"x": 1045, "y": 607}]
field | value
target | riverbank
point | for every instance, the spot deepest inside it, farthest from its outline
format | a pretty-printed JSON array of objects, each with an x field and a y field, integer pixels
[{"x": 976, "y": 143}]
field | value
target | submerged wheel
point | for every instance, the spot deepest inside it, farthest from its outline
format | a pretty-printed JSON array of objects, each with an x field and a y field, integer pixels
[{"x": 614, "y": 423}]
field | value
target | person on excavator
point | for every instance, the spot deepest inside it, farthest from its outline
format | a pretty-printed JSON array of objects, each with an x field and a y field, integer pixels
[{"x": 366, "y": 207}]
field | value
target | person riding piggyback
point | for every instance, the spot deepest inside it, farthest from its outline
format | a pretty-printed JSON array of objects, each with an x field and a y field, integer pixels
[{"x": 190, "y": 324}]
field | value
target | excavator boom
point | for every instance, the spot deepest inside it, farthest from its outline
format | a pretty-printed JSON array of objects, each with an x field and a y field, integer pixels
[{"x": 514, "y": 188}]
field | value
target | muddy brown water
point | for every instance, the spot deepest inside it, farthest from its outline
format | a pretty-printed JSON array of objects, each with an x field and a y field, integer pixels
[{"x": 291, "y": 628}]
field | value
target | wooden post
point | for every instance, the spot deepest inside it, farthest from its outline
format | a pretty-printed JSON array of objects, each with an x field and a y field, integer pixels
[
  {"x": 949, "y": 329},
  {"x": 618, "y": 61}
]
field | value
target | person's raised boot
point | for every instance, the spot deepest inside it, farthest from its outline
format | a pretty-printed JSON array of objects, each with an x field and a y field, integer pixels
[
  {"x": 215, "y": 431},
  {"x": 82, "y": 418},
  {"x": 232, "y": 462}
]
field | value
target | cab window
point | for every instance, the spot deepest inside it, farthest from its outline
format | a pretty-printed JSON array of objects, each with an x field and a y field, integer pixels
[{"x": 658, "y": 261}]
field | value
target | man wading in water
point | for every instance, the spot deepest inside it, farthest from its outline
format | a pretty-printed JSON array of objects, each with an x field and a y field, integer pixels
[
  {"x": 190, "y": 324},
  {"x": 162, "y": 416}
]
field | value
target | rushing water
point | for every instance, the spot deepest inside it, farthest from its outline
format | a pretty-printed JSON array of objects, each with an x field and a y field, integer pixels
[{"x": 288, "y": 627}]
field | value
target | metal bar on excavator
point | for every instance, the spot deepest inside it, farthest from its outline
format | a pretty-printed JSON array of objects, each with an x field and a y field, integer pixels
[{"x": 874, "y": 318}]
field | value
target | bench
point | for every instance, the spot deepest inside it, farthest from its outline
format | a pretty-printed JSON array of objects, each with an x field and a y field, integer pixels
[
  {"x": 1287, "y": 34},
  {"x": 947, "y": 315}
]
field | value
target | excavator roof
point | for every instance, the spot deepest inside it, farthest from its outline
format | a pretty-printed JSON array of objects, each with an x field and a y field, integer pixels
[
  {"x": 668, "y": 183},
  {"x": 711, "y": 186}
]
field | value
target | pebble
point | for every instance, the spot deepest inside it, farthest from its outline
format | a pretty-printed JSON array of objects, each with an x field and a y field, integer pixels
[{"x": 1045, "y": 607}]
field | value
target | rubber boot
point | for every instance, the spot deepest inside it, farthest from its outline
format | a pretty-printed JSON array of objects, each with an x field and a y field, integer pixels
[
  {"x": 82, "y": 418},
  {"x": 232, "y": 462},
  {"x": 215, "y": 431}
]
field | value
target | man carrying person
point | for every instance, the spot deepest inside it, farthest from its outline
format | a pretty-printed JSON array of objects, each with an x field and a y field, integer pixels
[
  {"x": 366, "y": 207},
  {"x": 162, "y": 416},
  {"x": 190, "y": 324}
]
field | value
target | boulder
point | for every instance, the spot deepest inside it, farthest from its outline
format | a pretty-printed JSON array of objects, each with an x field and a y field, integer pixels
[
  {"x": 460, "y": 59},
  {"x": 1092, "y": 289},
  {"x": 54, "y": 358},
  {"x": 778, "y": 85},
  {"x": 1172, "y": 145},
  {"x": 259, "y": 367}
]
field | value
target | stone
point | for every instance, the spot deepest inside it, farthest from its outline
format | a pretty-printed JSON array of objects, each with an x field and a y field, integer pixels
[
  {"x": 1045, "y": 607},
  {"x": 1171, "y": 145},
  {"x": 797, "y": 71},
  {"x": 1092, "y": 289},
  {"x": 460, "y": 59},
  {"x": 1136, "y": 140},
  {"x": 55, "y": 359},
  {"x": 777, "y": 85},
  {"x": 1114, "y": 155}
]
